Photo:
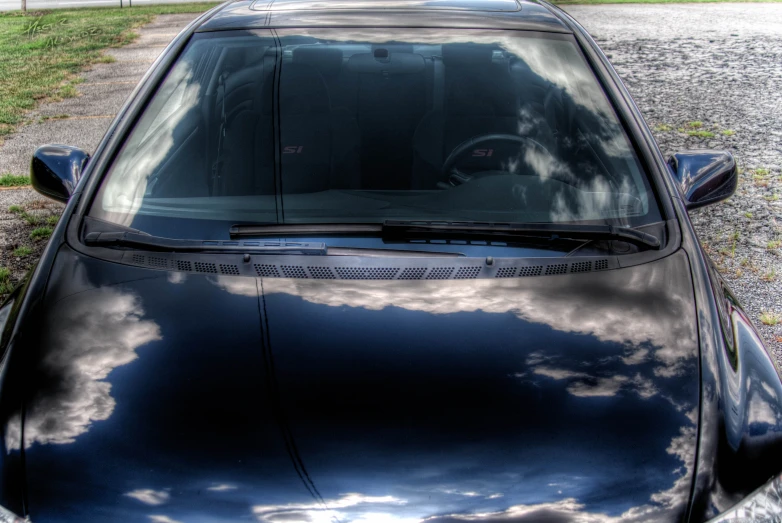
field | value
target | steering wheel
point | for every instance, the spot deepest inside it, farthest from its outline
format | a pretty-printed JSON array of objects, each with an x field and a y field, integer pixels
[{"x": 476, "y": 156}]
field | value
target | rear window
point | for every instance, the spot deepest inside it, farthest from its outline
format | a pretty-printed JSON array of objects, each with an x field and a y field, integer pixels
[{"x": 346, "y": 126}]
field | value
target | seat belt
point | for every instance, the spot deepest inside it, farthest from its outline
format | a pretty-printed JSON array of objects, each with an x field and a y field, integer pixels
[
  {"x": 217, "y": 166},
  {"x": 439, "y": 83}
]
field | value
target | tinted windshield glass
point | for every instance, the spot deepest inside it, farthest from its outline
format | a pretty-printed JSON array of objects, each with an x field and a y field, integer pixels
[{"x": 340, "y": 126}]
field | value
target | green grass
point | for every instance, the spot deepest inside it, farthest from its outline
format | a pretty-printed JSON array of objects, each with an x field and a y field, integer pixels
[
  {"x": 770, "y": 318},
  {"x": 52, "y": 220},
  {"x": 41, "y": 233},
  {"x": 728, "y": 132},
  {"x": 663, "y": 127},
  {"x": 41, "y": 53},
  {"x": 31, "y": 219},
  {"x": 22, "y": 251},
  {"x": 5, "y": 281},
  {"x": 53, "y": 117},
  {"x": 701, "y": 134},
  {"x": 15, "y": 209},
  {"x": 13, "y": 180}
]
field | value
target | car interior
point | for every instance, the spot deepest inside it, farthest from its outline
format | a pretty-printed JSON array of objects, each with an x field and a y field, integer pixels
[{"x": 399, "y": 120}]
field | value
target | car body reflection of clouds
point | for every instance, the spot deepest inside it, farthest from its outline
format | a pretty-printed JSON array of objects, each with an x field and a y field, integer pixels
[
  {"x": 655, "y": 353},
  {"x": 149, "y": 496},
  {"x": 95, "y": 336},
  {"x": 493, "y": 467}
]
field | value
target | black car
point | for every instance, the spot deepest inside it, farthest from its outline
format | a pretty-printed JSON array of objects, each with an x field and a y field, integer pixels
[{"x": 383, "y": 261}]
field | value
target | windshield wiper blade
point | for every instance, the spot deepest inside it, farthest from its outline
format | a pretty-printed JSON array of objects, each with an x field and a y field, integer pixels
[
  {"x": 425, "y": 229},
  {"x": 303, "y": 229},
  {"x": 156, "y": 243},
  {"x": 553, "y": 231}
]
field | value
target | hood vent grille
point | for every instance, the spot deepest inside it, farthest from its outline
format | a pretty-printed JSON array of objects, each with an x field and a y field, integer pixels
[
  {"x": 267, "y": 271},
  {"x": 334, "y": 267}
]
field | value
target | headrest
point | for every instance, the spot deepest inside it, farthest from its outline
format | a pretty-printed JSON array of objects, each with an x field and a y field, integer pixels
[
  {"x": 302, "y": 91},
  {"x": 326, "y": 60},
  {"x": 467, "y": 54}
]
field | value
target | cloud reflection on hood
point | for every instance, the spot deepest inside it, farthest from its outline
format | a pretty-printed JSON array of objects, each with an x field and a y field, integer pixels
[
  {"x": 94, "y": 337},
  {"x": 330, "y": 511},
  {"x": 651, "y": 324},
  {"x": 627, "y": 316}
]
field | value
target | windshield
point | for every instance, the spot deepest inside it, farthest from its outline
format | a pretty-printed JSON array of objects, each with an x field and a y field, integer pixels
[{"x": 347, "y": 126}]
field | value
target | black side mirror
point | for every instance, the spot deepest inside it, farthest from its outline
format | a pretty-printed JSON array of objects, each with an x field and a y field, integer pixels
[
  {"x": 56, "y": 169},
  {"x": 705, "y": 177}
]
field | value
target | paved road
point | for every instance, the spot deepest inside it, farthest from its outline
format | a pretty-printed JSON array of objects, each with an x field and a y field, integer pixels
[{"x": 13, "y": 5}]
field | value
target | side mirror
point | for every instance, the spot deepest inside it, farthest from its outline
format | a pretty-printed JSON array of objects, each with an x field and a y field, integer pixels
[
  {"x": 705, "y": 177},
  {"x": 56, "y": 169}
]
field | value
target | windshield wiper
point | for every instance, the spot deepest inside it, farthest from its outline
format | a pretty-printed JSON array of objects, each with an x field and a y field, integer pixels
[
  {"x": 303, "y": 229},
  {"x": 393, "y": 229},
  {"x": 486, "y": 230},
  {"x": 156, "y": 243}
]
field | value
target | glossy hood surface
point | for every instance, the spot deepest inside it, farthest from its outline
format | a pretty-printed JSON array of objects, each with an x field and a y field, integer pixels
[{"x": 170, "y": 397}]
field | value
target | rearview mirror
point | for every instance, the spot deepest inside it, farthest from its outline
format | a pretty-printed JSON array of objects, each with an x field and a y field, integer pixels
[
  {"x": 56, "y": 169},
  {"x": 704, "y": 176}
]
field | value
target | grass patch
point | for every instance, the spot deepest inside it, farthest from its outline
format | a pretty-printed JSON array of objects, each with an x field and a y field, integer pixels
[
  {"x": 41, "y": 53},
  {"x": 5, "y": 281},
  {"x": 748, "y": 215},
  {"x": 31, "y": 219},
  {"x": 53, "y": 117},
  {"x": 15, "y": 209},
  {"x": 22, "y": 251},
  {"x": 41, "y": 233},
  {"x": 701, "y": 134},
  {"x": 728, "y": 132},
  {"x": 770, "y": 275},
  {"x": 52, "y": 220},
  {"x": 13, "y": 180},
  {"x": 774, "y": 245},
  {"x": 772, "y": 198},
  {"x": 760, "y": 177},
  {"x": 663, "y": 127},
  {"x": 695, "y": 125},
  {"x": 770, "y": 318}
]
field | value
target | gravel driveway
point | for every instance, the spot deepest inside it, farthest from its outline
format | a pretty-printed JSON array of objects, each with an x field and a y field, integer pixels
[{"x": 719, "y": 65}]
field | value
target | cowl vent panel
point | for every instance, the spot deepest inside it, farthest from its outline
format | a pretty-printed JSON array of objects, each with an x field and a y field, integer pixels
[{"x": 365, "y": 268}]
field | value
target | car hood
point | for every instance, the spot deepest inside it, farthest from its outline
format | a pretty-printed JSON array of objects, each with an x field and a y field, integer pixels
[{"x": 171, "y": 397}]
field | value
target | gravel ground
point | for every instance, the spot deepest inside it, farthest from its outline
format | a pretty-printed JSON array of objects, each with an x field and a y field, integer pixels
[{"x": 720, "y": 65}]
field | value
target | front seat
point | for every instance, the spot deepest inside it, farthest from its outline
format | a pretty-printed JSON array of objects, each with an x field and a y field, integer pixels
[
  {"x": 479, "y": 98},
  {"x": 319, "y": 147}
]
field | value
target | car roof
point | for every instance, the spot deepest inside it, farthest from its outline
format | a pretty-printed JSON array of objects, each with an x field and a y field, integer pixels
[{"x": 464, "y": 14}]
